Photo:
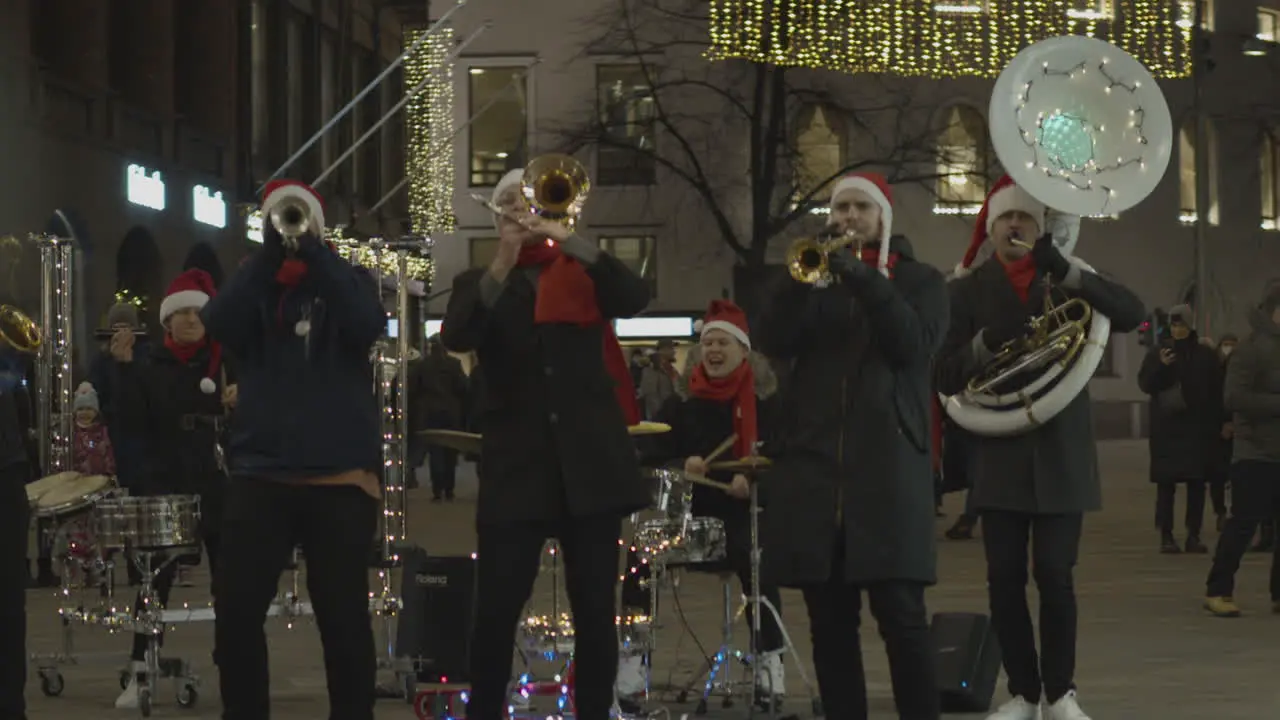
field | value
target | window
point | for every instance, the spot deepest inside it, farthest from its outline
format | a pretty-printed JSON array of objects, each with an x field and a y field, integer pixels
[
  {"x": 1091, "y": 10},
  {"x": 1187, "y": 13},
  {"x": 1269, "y": 182},
  {"x": 963, "y": 163},
  {"x": 483, "y": 251},
  {"x": 258, "y": 78},
  {"x": 1187, "y": 172},
  {"x": 624, "y": 100},
  {"x": 499, "y": 134},
  {"x": 1268, "y": 24},
  {"x": 638, "y": 252},
  {"x": 820, "y": 150}
]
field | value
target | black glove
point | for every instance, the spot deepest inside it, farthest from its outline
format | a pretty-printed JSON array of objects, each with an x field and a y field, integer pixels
[
  {"x": 1049, "y": 259},
  {"x": 846, "y": 264},
  {"x": 997, "y": 334}
]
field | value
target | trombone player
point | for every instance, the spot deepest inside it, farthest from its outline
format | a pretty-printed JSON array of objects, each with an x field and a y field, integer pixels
[
  {"x": 851, "y": 493},
  {"x": 1033, "y": 489},
  {"x": 18, "y": 336},
  {"x": 557, "y": 459}
]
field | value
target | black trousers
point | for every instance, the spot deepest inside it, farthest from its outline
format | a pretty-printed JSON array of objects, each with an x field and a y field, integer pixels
[
  {"x": 443, "y": 465},
  {"x": 507, "y": 562},
  {"x": 1255, "y": 498},
  {"x": 163, "y": 584},
  {"x": 835, "y": 616},
  {"x": 1167, "y": 491},
  {"x": 1054, "y": 542},
  {"x": 334, "y": 525},
  {"x": 14, "y": 525}
]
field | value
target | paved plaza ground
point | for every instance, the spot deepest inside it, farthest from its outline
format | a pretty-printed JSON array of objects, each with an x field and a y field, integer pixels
[{"x": 1147, "y": 651}]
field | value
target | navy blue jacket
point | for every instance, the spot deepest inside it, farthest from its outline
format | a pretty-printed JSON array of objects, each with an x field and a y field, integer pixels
[{"x": 304, "y": 411}]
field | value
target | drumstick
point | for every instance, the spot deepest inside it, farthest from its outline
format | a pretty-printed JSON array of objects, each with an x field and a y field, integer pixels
[
  {"x": 699, "y": 480},
  {"x": 721, "y": 448}
]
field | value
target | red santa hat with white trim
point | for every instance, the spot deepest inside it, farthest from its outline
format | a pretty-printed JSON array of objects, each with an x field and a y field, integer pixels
[
  {"x": 726, "y": 316},
  {"x": 877, "y": 187},
  {"x": 193, "y": 289},
  {"x": 279, "y": 190},
  {"x": 1005, "y": 196}
]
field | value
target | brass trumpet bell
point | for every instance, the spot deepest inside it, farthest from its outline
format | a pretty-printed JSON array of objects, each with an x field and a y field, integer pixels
[
  {"x": 19, "y": 331},
  {"x": 555, "y": 187},
  {"x": 290, "y": 217},
  {"x": 807, "y": 257},
  {"x": 1056, "y": 338}
]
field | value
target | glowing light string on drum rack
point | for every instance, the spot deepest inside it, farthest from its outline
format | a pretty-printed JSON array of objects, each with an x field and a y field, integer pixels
[
  {"x": 1064, "y": 143},
  {"x": 53, "y": 376}
]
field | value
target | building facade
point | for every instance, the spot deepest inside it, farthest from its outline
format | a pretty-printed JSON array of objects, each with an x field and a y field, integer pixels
[
  {"x": 533, "y": 75},
  {"x": 153, "y": 122}
]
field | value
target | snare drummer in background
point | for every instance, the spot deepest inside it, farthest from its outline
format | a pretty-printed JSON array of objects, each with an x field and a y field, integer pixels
[
  {"x": 729, "y": 391},
  {"x": 15, "y": 471},
  {"x": 176, "y": 401}
]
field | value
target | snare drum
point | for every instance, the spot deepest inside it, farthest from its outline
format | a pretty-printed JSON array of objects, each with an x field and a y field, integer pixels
[
  {"x": 159, "y": 522},
  {"x": 690, "y": 541},
  {"x": 672, "y": 495},
  {"x": 72, "y": 495}
]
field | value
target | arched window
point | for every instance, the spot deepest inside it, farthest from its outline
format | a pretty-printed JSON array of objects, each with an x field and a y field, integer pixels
[
  {"x": 1187, "y": 171},
  {"x": 1269, "y": 183},
  {"x": 964, "y": 154},
  {"x": 820, "y": 150}
]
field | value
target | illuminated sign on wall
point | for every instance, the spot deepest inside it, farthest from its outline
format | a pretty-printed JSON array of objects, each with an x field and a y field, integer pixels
[
  {"x": 208, "y": 207},
  {"x": 144, "y": 188},
  {"x": 654, "y": 327}
]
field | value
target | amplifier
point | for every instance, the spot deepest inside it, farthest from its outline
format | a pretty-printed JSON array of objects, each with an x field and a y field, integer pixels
[
  {"x": 434, "y": 628},
  {"x": 968, "y": 661}
]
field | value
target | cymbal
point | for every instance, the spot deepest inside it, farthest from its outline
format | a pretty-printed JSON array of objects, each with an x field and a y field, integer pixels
[
  {"x": 745, "y": 465},
  {"x": 649, "y": 428},
  {"x": 463, "y": 442}
]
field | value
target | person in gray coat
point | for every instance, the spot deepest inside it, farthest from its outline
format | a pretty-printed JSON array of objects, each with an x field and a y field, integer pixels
[
  {"x": 1252, "y": 393},
  {"x": 1031, "y": 489}
]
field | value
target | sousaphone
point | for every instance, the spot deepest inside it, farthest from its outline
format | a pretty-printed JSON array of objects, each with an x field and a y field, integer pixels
[{"x": 1082, "y": 126}]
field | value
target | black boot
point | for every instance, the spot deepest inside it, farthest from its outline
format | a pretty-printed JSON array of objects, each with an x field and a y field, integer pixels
[
  {"x": 1168, "y": 545},
  {"x": 963, "y": 529},
  {"x": 1195, "y": 546}
]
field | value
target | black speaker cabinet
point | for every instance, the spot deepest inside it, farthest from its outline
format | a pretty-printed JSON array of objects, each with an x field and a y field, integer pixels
[
  {"x": 434, "y": 628},
  {"x": 968, "y": 661}
]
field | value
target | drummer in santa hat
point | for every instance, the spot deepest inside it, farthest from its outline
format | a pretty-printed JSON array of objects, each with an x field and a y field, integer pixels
[
  {"x": 851, "y": 491},
  {"x": 1039, "y": 483}
]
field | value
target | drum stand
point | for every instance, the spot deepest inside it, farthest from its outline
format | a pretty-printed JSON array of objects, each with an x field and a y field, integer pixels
[{"x": 150, "y": 621}]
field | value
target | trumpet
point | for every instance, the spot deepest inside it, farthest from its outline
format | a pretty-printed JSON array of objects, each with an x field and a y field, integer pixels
[
  {"x": 291, "y": 217},
  {"x": 807, "y": 258},
  {"x": 19, "y": 331},
  {"x": 554, "y": 187}
]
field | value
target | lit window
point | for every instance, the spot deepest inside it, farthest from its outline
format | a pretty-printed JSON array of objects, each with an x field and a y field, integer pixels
[
  {"x": 1269, "y": 182},
  {"x": 499, "y": 132},
  {"x": 1091, "y": 10},
  {"x": 1268, "y": 24},
  {"x": 961, "y": 7},
  {"x": 483, "y": 251},
  {"x": 624, "y": 100},
  {"x": 1187, "y": 172},
  {"x": 1187, "y": 13},
  {"x": 637, "y": 252},
  {"x": 819, "y": 151},
  {"x": 963, "y": 161}
]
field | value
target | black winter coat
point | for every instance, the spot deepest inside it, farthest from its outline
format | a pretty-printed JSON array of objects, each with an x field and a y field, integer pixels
[
  {"x": 306, "y": 403},
  {"x": 555, "y": 440},
  {"x": 698, "y": 426},
  {"x": 16, "y": 413},
  {"x": 1186, "y": 411},
  {"x": 1053, "y": 468},
  {"x": 853, "y": 459},
  {"x": 161, "y": 401}
]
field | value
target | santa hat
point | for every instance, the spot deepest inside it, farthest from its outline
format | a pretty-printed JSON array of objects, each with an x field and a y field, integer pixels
[
  {"x": 1005, "y": 197},
  {"x": 728, "y": 317},
  {"x": 512, "y": 179},
  {"x": 193, "y": 289},
  {"x": 279, "y": 190},
  {"x": 877, "y": 187}
]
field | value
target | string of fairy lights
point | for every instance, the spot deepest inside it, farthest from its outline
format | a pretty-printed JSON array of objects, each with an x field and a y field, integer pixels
[
  {"x": 942, "y": 39},
  {"x": 429, "y": 119}
]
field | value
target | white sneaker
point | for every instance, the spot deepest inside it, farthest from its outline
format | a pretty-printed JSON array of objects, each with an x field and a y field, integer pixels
[
  {"x": 771, "y": 676},
  {"x": 631, "y": 676},
  {"x": 1016, "y": 709},
  {"x": 1067, "y": 708},
  {"x": 128, "y": 699}
]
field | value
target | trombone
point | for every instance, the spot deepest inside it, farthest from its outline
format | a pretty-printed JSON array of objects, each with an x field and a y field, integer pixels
[
  {"x": 19, "y": 331},
  {"x": 553, "y": 187}
]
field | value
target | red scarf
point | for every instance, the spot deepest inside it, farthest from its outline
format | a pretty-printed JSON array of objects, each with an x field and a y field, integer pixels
[
  {"x": 738, "y": 387},
  {"x": 871, "y": 256},
  {"x": 184, "y": 352},
  {"x": 1021, "y": 272},
  {"x": 567, "y": 294},
  {"x": 291, "y": 272}
]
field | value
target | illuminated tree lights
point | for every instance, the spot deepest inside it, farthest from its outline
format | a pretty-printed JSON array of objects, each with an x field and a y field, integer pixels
[
  {"x": 429, "y": 118},
  {"x": 941, "y": 39}
]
